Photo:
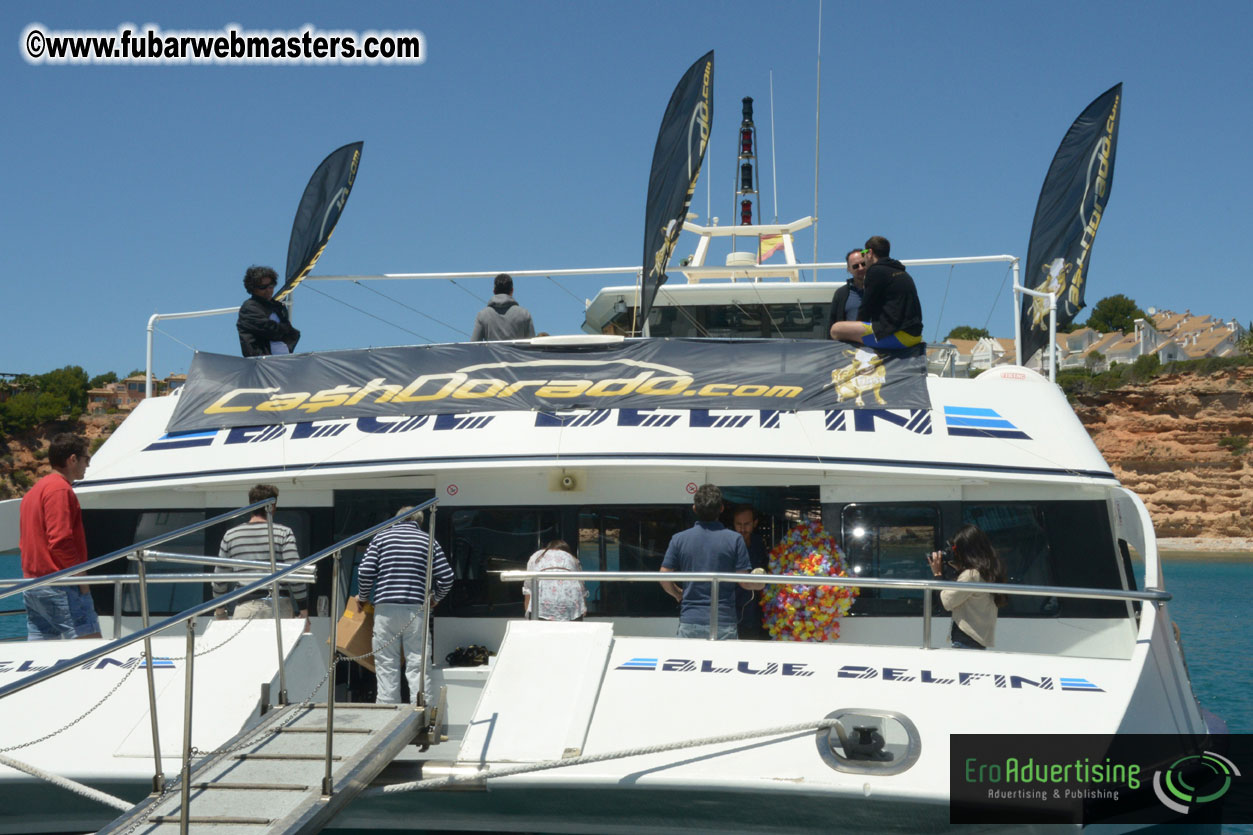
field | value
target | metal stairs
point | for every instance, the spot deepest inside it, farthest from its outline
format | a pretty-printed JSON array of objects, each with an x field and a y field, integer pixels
[{"x": 274, "y": 782}]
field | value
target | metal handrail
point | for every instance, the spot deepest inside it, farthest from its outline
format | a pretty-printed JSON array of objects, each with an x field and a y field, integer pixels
[
  {"x": 195, "y": 611},
  {"x": 191, "y": 613},
  {"x": 1154, "y": 596},
  {"x": 48, "y": 579},
  {"x": 204, "y": 577}
]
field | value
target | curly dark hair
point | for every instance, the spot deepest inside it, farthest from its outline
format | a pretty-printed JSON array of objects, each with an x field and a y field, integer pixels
[{"x": 256, "y": 276}]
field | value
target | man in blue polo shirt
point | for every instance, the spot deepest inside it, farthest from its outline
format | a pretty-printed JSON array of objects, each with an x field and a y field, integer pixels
[{"x": 706, "y": 546}]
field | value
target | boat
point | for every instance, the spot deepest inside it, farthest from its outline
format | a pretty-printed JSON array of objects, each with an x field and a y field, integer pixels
[{"x": 613, "y": 724}]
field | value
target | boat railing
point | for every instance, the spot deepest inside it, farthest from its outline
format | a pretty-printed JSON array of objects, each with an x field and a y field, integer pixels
[
  {"x": 534, "y": 578},
  {"x": 293, "y": 572},
  {"x": 694, "y": 274}
]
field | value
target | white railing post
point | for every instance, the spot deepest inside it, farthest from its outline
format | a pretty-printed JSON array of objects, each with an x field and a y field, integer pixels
[{"x": 152, "y": 323}]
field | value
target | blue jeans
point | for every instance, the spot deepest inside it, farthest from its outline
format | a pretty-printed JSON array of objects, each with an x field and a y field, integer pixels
[
  {"x": 59, "y": 613},
  {"x": 726, "y": 631}
]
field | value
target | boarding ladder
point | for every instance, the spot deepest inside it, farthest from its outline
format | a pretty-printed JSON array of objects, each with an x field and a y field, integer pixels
[
  {"x": 270, "y": 779},
  {"x": 300, "y": 764}
]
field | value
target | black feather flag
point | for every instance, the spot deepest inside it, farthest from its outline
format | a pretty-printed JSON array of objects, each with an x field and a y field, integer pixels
[
  {"x": 677, "y": 160},
  {"x": 1072, "y": 202},
  {"x": 320, "y": 208}
]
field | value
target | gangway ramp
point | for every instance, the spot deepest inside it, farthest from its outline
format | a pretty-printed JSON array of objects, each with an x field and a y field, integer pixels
[{"x": 269, "y": 778}]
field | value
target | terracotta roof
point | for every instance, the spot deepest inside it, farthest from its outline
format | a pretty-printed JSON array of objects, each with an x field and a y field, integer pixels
[
  {"x": 963, "y": 346},
  {"x": 1206, "y": 344},
  {"x": 1105, "y": 343}
]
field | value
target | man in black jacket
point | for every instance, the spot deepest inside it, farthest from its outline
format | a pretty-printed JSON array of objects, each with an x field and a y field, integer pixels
[
  {"x": 847, "y": 300},
  {"x": 891, "y": 315},
  {"x": 264, "y": 325}
]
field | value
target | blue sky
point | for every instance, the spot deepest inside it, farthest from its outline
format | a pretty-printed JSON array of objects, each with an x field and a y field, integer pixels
[{"x": 524, "y": 141}]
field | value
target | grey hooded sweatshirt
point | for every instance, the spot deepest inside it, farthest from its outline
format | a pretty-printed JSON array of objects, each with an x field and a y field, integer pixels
[{"x": 503, "y": 318}]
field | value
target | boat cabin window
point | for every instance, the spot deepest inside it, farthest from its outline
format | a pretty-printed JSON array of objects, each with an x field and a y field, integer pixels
[
  {"x": 482, "y": 541},
  {"x": 1051, "y": 543},
  {"x": 170, "y": 598},
  {"x": 744, "y": 319},
  {"x": 889, "y": 541}
]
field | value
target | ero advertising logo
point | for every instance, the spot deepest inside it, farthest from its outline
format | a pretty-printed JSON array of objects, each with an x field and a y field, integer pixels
[
  {"x": 1194, "y": 781},
  {"x": 1084, "y": 779}
]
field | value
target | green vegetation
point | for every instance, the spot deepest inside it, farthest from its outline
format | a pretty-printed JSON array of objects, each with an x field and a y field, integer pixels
[
  {"x": 967, "y": 332},
  {"x": 1238, "y": 444},
  {"x": 1079, "y": 381},
  {"x": 40, "y": 398},
  {"x": 1245, "y": 345},
  {"x": 1115, "y": 313}
]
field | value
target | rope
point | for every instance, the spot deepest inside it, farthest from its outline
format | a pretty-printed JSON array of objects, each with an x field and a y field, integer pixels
[
  {"x": 943, "y": 302},
  {"x": 407, "y": 307},
  {"x": 70, "y": 785},
  {"x": 467, "y": 290},
  {"x": 564, "y": 289},
  {"x": 371, "y": 315},
  {"x": 1008, "y": 270},
  {"x": 168, "y": 335},
  {"x": 545, "y": 765}
]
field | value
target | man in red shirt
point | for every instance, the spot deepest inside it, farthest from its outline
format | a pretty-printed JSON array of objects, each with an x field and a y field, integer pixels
[{"x": 52, "y": 538}]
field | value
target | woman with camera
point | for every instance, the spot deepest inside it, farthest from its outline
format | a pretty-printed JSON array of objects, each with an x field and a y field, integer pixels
[{"x": 974, "y": 613}]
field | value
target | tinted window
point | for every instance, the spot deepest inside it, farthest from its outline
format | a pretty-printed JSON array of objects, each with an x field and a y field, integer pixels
[{"x": 889, "y": 542}]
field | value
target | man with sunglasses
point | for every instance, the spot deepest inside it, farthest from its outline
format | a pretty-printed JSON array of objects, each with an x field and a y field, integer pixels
[
  {"x": 890, "y": 315},
  {"x": 264, "y": 325},
  {"x": 846, "y": 303}
]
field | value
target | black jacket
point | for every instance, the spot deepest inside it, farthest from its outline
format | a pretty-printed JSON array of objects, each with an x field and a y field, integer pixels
[
  {"x": 839, "y": 303},
  {"x": 890, "y": 303},
  {"x": 257, "y": 330}
]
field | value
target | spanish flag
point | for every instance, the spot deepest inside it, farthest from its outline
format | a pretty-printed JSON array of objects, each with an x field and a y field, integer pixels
[{"x": 768, "y": 245}]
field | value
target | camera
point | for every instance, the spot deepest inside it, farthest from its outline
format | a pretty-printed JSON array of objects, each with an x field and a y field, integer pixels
[{"x": 946, "y": 560}]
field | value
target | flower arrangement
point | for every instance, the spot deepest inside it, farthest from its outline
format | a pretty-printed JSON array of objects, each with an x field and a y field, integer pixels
[{"x": 806, "y": 613}]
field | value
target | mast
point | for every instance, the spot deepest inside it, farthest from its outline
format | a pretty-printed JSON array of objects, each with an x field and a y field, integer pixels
[{"x": 746, "y": 164}]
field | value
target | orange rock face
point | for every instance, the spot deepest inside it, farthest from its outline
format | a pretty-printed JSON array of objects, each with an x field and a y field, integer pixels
[{"x": 1162, "y": 440}]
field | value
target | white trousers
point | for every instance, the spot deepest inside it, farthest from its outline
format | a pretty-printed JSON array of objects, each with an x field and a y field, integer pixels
[{"x": 390, "y": 618}]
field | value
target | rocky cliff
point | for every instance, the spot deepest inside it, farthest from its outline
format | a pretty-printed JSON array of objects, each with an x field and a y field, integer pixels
[{"x": 1179, "y": 442}]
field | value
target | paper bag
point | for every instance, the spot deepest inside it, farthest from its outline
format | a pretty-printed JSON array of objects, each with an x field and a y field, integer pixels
[{"x": 353, "y": 633}]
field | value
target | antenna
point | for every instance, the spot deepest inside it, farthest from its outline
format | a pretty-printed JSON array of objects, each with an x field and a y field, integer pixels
[
  {"x": 817, "y": 134},
  {"x": 774, "y": 170}
]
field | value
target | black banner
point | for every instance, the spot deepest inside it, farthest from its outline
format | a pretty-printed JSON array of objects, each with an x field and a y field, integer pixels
[
  {"x": 226, "y": 391},
  {"x": 677, "y": 159},
  {"x": 1067, "y": 215},
  {"x": 318, "y": 212}
]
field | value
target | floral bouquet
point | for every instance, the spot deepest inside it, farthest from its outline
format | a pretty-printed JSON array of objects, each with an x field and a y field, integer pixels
[{"x": 806, "y": 613}]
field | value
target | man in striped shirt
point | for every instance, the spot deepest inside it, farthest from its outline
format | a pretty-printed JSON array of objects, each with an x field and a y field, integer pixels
[
  {"x": 251, "y": 541},
  {"x": 392, "y": 576}
]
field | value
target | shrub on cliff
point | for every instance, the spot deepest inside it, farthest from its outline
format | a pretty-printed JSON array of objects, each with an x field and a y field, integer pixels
[{"x": 1238, "y": 444}]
